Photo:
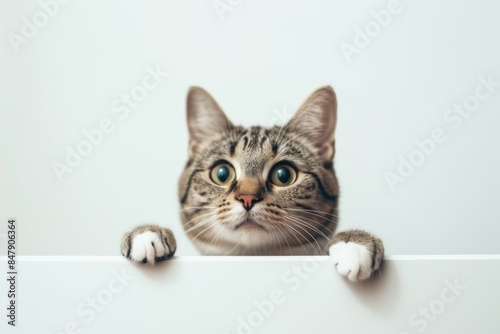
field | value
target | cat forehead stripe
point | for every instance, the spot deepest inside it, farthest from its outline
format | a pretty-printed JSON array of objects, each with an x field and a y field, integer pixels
[{"x": 254, "y": 138}]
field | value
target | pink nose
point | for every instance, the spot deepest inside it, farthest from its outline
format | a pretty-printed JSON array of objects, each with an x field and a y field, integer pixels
[{"x": 248, "y": 201}]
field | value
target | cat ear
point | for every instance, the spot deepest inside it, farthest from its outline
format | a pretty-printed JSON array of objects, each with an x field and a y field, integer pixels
[
  {"x": 205, "y": 118},
  {"x": 315, "y": 121}
]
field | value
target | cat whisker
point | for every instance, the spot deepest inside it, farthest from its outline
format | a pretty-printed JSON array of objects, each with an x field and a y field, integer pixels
[
  {"x": 311, "y": 226},
  {"x": 213, "y": 223},
  {"x": 284, "y": 238},
  {"x": 300, "y": 134},
  {"x": 283, "y": 129},
  {"x": 275, "y": 235},
  {"x": 202, "y": 223},
  {"x": 298, "y": 240},
  {"x": 281, "y": 134},
  {"x": 197, "y": 217},
  {"x": 229, "y": 251},
  {"x": 314, "y": 211},
  {"x": 332, "y": 219},
  {"x": 299, "y": 226},
  {"x": 314, "y": 221},
  {"x": 214, "y": 239}
]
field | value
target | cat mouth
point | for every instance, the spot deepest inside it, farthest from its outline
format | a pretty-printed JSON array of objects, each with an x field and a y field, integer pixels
[{"x": 249, "y": 224}]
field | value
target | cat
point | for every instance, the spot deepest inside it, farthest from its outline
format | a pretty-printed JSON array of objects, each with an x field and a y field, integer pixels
[{"x": 261, "y": 191}]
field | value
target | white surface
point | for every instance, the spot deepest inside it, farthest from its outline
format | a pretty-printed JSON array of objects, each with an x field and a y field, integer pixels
[
  {"x": 209, "y": 294},
  {"x": 260, "y": 62}
]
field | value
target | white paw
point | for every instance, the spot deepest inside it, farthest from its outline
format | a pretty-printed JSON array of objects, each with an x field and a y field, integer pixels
[
  {"x": 352, "y": 260},
  {"x": 148, "y": 246}
]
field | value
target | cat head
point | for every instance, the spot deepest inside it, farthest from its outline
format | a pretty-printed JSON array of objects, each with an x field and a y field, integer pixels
[{"x": 255, "y": 188}]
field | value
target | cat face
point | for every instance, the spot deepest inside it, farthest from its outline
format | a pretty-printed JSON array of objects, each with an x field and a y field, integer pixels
[{"x": 250, "y": 189}]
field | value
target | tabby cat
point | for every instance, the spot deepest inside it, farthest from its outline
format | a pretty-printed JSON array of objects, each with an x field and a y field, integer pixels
[{"x": 261, "y": 191}]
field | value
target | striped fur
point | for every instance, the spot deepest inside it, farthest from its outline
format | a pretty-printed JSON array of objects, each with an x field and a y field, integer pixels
[{"x": 297, "y": 219}]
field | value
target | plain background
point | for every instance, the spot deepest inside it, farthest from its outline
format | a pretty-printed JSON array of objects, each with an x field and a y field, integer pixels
[{"x": 260, "y": 62}]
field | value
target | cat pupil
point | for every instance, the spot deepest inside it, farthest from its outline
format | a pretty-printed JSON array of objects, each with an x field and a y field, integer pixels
[
  {"x": 223, "y": 174},
  {"x": 283, "y": 174}
]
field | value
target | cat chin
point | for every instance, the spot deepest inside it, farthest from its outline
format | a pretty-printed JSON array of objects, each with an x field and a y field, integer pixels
[
  {"x": 260, "y": 249},
  {"x": 249, "y": 225},
  {"x": 249, "y": 241},
  {"x": 250, "y": 235},
  {"x": 256, "y": 242}
]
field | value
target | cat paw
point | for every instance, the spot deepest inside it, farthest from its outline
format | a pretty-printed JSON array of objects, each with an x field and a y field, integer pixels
[
  {"x": 149, "y": 244},
  {"x": 352, "y": 260}
]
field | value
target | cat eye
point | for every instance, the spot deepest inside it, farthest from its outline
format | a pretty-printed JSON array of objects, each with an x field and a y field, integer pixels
[
  {"x": 223, "y": 174},
  {"x": 283, "y": 175}
]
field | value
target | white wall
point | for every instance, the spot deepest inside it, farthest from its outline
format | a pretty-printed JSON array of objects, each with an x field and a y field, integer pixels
[
  {"x": 262, "y": 60},
  {"x": 298, "y": 295}
]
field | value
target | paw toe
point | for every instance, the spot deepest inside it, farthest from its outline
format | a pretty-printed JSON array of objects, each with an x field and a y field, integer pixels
[
  {"x": 352, "y": 260},
  {"x": 148, "y": 247}
]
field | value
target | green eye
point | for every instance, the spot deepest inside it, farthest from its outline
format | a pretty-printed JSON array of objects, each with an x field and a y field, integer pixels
[
  {"x": 283, "y": 175},
  {"x": 223, "y": 174}
]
